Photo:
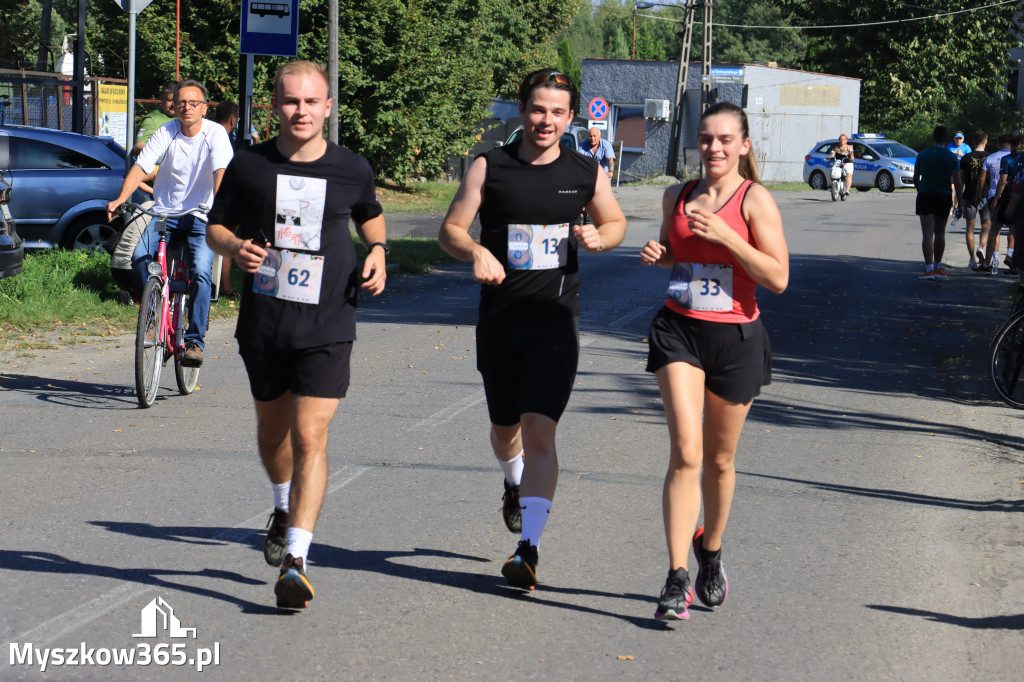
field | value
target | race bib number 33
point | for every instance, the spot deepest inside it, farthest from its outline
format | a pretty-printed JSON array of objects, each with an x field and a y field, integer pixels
[
  {"x": 538, "y": 247},
  {"x": 290, "y": 276},
  {"x": 697, "y": 286}
]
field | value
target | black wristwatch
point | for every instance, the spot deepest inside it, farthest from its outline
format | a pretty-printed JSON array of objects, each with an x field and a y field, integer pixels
[{"x": 382, "y": 245}]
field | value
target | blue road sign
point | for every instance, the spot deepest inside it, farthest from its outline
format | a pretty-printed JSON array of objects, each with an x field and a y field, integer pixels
[
  {"x": 270, "y": 28},
  {"x": 598, "y": 108}
]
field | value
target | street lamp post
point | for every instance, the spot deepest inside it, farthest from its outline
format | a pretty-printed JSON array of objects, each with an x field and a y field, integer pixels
[{"x": 643, "y": 5}]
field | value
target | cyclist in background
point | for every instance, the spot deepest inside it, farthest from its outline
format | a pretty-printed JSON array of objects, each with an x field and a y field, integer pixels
[
  {"x": 844, "y": 150},
  {"x": 192, "y": 153}
]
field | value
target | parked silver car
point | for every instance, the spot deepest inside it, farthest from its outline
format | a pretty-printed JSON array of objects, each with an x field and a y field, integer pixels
[{"x": 61, "y": 185}]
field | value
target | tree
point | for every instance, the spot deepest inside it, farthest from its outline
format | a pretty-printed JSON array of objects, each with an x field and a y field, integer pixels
[
  {"x": 567, "y": 65},
  {"x": 747, "y": 45},
  {"x": 915, "y": 73}
]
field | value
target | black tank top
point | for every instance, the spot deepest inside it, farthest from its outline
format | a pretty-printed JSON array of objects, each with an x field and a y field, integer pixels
[{"x": 518, "y": 193}]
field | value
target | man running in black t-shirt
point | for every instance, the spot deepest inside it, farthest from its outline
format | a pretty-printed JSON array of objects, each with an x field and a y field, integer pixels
[
  {"x": 290, "y": 200},
  {"x": 529, "y": 196}
]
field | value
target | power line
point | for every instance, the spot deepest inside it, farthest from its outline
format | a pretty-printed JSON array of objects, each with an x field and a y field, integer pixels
[{"x": 869, "y": 23}]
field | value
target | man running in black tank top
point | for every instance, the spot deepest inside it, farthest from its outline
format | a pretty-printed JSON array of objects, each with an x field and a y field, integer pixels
[{"x": 528, "y": 196}]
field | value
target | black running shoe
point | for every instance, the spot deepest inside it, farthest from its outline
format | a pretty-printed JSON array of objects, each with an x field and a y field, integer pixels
[
  {"x": 675, "y": 597},
  {"x": 277, "y": 537},
  {"x": 293, "y": 588},
  {"x": 521, "y": 568},
  {"x": 712, "y": 584},
  {"x": 510, "y": 510}
]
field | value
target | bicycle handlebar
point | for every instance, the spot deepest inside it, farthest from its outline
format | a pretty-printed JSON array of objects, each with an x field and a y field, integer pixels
[{"x": 201, "y": 208}]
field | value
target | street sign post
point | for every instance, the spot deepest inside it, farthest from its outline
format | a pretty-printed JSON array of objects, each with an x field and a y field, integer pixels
[
  {"x": 598, "y": 109},
  {"x": 133, "y": 7}
]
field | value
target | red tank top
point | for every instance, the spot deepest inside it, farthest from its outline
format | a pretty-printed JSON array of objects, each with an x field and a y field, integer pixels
[{"x": 690, "y": 248}]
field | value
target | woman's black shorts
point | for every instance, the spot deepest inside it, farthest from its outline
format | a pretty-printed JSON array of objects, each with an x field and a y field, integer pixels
[
  {"x": 321, "y": 372},
  {"x": 527, "y": 366},
  {"x": 736, "y": 358}
]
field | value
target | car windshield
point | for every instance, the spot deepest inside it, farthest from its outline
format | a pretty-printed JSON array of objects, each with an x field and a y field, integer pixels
[{"x": 894, "y": 150}]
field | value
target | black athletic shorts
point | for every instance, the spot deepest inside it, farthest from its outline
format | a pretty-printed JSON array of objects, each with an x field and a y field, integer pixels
[
  {"x": 321, "y": 372},
  {"x": 527, "y": 366},
  {"x": 736, "y": 358},
  {"x": 938, "y": 204}
]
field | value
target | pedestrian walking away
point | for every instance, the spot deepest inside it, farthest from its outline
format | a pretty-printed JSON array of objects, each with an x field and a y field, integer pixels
[
  {"x": 192, "y": 153},
  {"x": 722, "y": 236},
  {"x": 975, "y": 201},
  {"x": 993, "y": 181},
  {"x": 282, "y": 214},
  {"x": 529, "y": 196},
  {"x": 935, "y": 170}
]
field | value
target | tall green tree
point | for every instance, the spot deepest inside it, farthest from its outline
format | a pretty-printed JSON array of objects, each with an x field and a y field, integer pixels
[
  {"x": 912, "y": 71},
  {"x": 566, "y": 64}
]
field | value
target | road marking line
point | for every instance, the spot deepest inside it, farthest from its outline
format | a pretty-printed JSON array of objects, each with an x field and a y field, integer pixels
[
  {"x": 447, "y": 414},
  {"x": 626, "y": 319},
  {"x": 60, "y": 625}
]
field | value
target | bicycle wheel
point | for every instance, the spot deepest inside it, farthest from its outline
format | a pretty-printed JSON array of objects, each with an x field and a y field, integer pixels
[
  {"x": 1007, "y": 360},
  {"x": 149, "y": 343},
  {"x": 185, "y": 377}
]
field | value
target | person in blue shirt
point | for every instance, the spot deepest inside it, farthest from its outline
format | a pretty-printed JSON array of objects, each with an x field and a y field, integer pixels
[
  {"x": 599, "y": 149},
  {"x": 958, "y": 146}
]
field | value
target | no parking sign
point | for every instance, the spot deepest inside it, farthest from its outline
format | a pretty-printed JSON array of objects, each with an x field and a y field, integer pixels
[{"x": 598, "y": 108}]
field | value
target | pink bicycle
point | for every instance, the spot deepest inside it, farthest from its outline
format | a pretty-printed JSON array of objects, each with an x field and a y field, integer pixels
[{"x": 163, "y": 312}]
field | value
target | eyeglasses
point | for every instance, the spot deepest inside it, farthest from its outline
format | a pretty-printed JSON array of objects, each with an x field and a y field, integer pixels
[
  {"x": 551, "y": 75},
  {"x": 190, "y": 103}
]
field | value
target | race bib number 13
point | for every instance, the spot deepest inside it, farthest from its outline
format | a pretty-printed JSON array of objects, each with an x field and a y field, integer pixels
[
  {"x": 538, "y": 247},
  {"x": 697, "y": 286},
  {"x": 290, "y": 276}
]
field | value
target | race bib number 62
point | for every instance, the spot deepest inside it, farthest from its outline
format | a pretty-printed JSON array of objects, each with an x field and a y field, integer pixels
[{"x": 290, "y": 276}]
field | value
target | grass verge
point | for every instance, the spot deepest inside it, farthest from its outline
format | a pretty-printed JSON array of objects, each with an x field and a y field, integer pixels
[
  {"x": 418, "y": 197},
  {"x": 68, "y": 297}
]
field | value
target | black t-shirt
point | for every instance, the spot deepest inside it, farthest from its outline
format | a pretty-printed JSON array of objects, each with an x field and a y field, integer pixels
[
  {"x": 971, "y": 166},
  {"x": 267, "y": 197},
  {"x": 522, "y": 194}
]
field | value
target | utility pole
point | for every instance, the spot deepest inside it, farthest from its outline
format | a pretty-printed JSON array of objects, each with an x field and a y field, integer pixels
[{"x": 684, "y": 30}]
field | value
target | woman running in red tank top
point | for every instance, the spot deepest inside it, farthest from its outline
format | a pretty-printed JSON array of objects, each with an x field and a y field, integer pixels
[{"x": 707, "y": 347}]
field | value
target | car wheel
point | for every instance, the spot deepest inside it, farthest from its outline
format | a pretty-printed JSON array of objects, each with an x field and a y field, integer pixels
[
  {"x": 817, "y": 180},
  {"x": 89, "y": 233},
  {"x": 885, "y": 182}
]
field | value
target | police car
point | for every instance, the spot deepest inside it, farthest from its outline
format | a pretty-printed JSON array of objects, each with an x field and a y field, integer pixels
[{"x": 878, "y": 162}]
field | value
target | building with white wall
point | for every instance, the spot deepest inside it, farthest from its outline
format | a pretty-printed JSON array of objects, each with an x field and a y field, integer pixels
[{"x": 788, "y": 111}]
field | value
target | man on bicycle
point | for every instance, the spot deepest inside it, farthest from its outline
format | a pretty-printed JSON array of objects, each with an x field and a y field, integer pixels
[
  {"x": 192, "y": 153},
  {"x": 289, "y": 201}
]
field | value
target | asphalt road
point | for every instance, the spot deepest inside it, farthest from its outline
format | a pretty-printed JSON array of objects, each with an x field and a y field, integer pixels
[{"x": 875, "y": 532}]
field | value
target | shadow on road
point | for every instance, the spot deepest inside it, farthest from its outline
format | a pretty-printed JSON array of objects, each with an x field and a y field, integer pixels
[
  {"x": 983, "y": 623},
  {"x": 902, "y": 496},
  {"x": 383, "y": 562},
  {"x": 69, "y": 393}
]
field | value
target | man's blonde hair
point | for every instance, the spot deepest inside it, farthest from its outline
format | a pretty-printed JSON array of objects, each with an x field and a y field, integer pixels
[{"x": 300, "y": 66}]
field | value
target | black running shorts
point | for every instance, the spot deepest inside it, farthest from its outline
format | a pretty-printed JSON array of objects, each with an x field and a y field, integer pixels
[
  {"x": 527, "y": 366},
  {"x": 736, "y": 358},
  {"x": 938, "y": 204},
  {"x": 321, "y": 372}
]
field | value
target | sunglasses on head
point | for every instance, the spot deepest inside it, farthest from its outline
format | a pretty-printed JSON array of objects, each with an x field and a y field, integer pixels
[{"x": 550, "y": 75}]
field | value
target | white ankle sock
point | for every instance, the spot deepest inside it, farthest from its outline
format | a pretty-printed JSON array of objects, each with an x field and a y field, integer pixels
[
  {"x": 535, "y": 512},
  {"x": 298, "y": 543},
  {"x": 513, "y": 469},
  {"x": 281, "y": 492}
]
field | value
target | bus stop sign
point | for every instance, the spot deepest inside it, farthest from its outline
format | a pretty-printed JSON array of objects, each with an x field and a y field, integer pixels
[{"x": 270, "y": 28}]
